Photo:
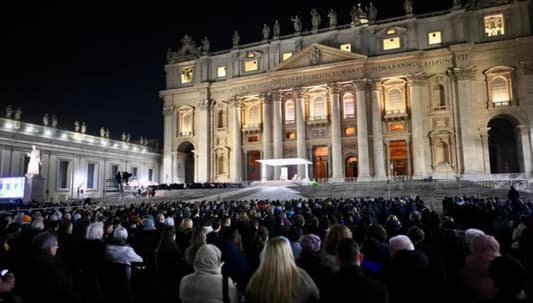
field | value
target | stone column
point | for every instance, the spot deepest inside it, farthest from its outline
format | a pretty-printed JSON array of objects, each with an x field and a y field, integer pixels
[
  {"x": 236, "y": 147},
  {"x": 484, "y": 133},
  {"x": 167, "y": 173},
  {"x": 523, "y": 134},
  {"x": 266, "y": 174},
  {"x": 462, "y": 77},
  {"x": 417, "y": 88},
  {"x": 203, "y": 150},
  {"x": 336, "y": 136},
  {"x": 408, "y": 145},
  {"x": 377, "y": 132},
  {"x": 362, "y": 131},
  {"x": 278, "y": 132},
  {"x": 387, "y": 164},
  {"x": 300, "y": 129}
]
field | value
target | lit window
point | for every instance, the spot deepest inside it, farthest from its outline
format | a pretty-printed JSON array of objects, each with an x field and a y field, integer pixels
[
  {"x": 391, "y": 31},
  {"x": 434, "y": 38},
  {"x": 396, "y": 127},
  {"x": 186, "y": 75},
  {"x": 286, "y": 56},
  {"x": 250, "y": 65},
  {"x": 253, "y": 114},
  {"x": 221, "y": 71},
  {"x": 348, "y": 106},
  {"x": 394, "y": 103},
  {"x": 291, "y": 135},
  {"x": 289, "y": 112},
  {"x": 253, "y": 139},
  {"x": 494, "y": 25},
  {"x": 250, "y": 55},
  {"x": 500, "y": 90},
  {"x": 349, "y": 131},
  {"x": 391, "y": 43},
  {"x": 347, "y": 47}
]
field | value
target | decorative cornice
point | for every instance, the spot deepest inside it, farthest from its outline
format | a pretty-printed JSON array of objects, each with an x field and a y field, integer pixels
[
  {"x": 298, "y": 92},
  {"x": 417, "y": 79},
  {"x": 266, "y": 97},
  {"x": 234, "y": 101}
]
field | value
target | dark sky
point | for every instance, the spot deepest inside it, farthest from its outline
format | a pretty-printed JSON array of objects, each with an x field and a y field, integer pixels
[{"x": 103, "y": 61}]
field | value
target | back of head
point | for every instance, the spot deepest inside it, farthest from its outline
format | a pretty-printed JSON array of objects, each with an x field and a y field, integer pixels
[
  {"x": 373, "y": 250},
  {"x": 311, "y": 243},
  {"x": 471, "y": 233},
  {"x": 348, "y": 252},
  {"x": 336, "y": 233},
  {"x": 508, "y": 274},
  {"x": 41, "y": 245},
  {"x": 485, "y": 246},
  {"x": 120, "y": 234},
  {"x": 377, "y": 231},
  {"x": 416, "y": 234},
  {"x": 95, "y": 231},
  {"x": 208, "y": 259},
  {"x": 400, "y": 242}
]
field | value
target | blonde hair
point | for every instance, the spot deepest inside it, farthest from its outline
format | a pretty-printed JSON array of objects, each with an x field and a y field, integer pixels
[
  {"x": 277, "y": 275},
  {"x": 335, "y": 233},
  {"x": 185, "y": 224}
]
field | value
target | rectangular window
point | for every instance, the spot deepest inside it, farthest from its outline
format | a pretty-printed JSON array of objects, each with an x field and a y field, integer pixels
[
  {"x": 250, "y": 65},
  {"x": 391, "y": 43},
  {"x": 62, "y": 174},
  {"x": 91, "y": 174},
  {"x": 150, "y": 175},
  {"x": 349, "y": 131},
  {"x": 134, "y": 172},
  {"x": 494, "y": 25},
  {"x": 186, "y": 75},
  {"x": 286, "y": 56},
  {"x": 253, "y": 139},
  {"x": 221, "y": 71},
  {"x": 434, "y": 38},
  {"x": 291, "y": 135},
  {"x": 347, "y": 47},
  {"x": 114, "y": 171}
]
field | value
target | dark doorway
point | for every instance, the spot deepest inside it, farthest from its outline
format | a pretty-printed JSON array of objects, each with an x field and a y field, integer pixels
[
  {"x": 186, "y": 162},
  {"x": 398, "y": 158},
  {"x": 254, "y": 167},
  {"x": 351, "y": 167},
  {"x": 503, "y": 149}
]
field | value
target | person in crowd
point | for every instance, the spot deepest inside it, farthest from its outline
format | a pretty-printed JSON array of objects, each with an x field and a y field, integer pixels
[
  {"x": 335, "y": 233},
  {"x": 235, "y": 261},
  {"x": 206, "y": 283},
  {"x": 169, "y": 264},
  {"x": 278, "y": 279},
  {"x": 311, "y": 261},
  {"x": 509, "y": 278},
  {"x": 197, "y": 240},
  {"x": 257, "y": 245},
  {"x": 119, "y": 251}
]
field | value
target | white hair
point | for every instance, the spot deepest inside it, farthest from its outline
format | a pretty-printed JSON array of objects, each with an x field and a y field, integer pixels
[{"x": 400, "y": 242}]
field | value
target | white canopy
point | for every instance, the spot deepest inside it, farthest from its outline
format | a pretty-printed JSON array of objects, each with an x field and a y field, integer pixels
[{"x": 283, "y": 162}]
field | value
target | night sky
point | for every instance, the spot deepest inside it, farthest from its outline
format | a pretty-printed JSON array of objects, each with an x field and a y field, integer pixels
[{"x": 103, "y": 61}]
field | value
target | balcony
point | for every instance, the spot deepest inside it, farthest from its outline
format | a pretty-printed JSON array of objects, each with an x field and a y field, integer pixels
[
  {"x": 318, "y": 121},
  {"x": 252, "y": 128}
]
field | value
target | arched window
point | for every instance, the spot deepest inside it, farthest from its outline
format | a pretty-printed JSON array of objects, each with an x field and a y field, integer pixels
[
  {"x": 186, "y": 126},
  {"x": 348, "y": 105},
  {"x": 500, "y": 90},
  {"x": 289, "y": 112},
  {"x": 253, "y": 114},
  {"x": 394, "y": 102},
  {"x": 319, "y": 108},
  {"x": 220, "y": 118}
]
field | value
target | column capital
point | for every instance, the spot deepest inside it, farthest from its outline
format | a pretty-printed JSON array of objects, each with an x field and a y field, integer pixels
[
  {"x": 168, "y": 109},
  {"x": 417, "y": 79},
  {"x": 375, "y": 84},
  {"x": 484, "y": 131},
  {"x": 298, "y": 91},
  {"x": 462, "y": 73},
  {"x": 333, "y": 88},
  {"x": 276, "y": 96},
  {"x": 205, "y": 104},
  {"x": 234, "y": 101},
  {"x": 266, "y": 97},
  {"x": 360, "y": 84},
  {"x": 523, "y": 128}
]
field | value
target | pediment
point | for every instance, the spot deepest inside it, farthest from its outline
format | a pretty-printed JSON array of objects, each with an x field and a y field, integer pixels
[{"x": 318, "y": 54}]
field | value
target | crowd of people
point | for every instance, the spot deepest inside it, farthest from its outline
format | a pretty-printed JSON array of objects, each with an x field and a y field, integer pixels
[{"x": 315, "y": 250}]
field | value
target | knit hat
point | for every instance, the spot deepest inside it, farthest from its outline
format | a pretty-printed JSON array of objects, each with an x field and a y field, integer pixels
[{"x": 311, "y": 243}]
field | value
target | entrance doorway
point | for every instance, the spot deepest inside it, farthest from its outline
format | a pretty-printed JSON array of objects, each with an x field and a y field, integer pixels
[
  {"x": 320, "y": 162},
  {"x": 398, "y": 158},
  {"x": 186, "y": 162},
  {"x": 503, "y": 150},
  {"x": 254, "y": 167},
  {"x": 351, "y": 167}
]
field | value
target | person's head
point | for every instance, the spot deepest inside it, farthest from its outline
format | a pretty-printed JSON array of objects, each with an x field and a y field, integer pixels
[
  {"x": 508, "y": 275},
  {"x": 95, "y": 231},
  {"x": 198, "y": 237},
  {"x": 471, "y": 233},
  {"x": 208, "y": 259},
  {"x": 186, "y": 224},
  {"x": 44, "y": 245},
  {"x": 120, "y": 235},
  {"x": 485, "y": 246},
  {"x": 348, "y": 253},
  {"x": 298, "y": 220},
  {"x": 311, "y": 243},
  {"x": 416, "y": 234},
  {"x": 400, "y": 242},
  {"x": 378, "y": 232},
  {"x": 336, "y": 233}
]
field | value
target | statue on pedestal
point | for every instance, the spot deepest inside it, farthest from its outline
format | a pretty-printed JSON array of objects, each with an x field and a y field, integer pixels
[
  {"x": 297, "y": 23},
  {"x": 54, "y": 120},
  {"x": 276, "y": 30},
  {"x": 408, "y": 7},
  {"x": 332, "y": 18},
  {"x": 205, "y": 45},
  {"x": 236, "y": 38},
  {"x": 372, "y": 12},
  {"x": 45, "y": 119},
  {"x": 123, "y": 136},
  {"x": 9, "y": 111},
  {"x": 35, "y": 161},
  {"x": 266, "y": 32},
  {"x": 128, "y": 137},
  {"x": 107, "y": 132},
  {"x": 102, "y": 131},
  {"x": 353, "y": 15},
  {"x": 315, "y": 19},
  {"x": 18, "y": 112},
  {"x": 76, "y": 126},
  {"x": 83, "y": 127}
]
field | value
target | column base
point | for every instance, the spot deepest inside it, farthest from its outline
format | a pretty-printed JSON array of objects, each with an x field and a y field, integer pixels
[
  {"x": 336, "y": 180},
  {"x": 364, "y": 179}
]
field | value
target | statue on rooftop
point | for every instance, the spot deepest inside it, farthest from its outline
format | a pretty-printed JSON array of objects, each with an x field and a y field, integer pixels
[
  {"x": 408, "y": 7},
  {"x": 54, "y": 120},
  {"x": 236, "y": 38},
  {"x": 18, "y": 112},
  {"x": 9, "y": 111},
  {"x": 297, "y": 23},
  {"x": 372, "y": 12},
  {"x": 45, "y": 119},
  {"x": 107, "y": 132},
  {"x": 187, "y": 51},
  {"x": 353, "y": 15},
  {"x": 35, "y": 161},
  {"x": 102, "y": 132},
  {"x": 266, "y": 32},
  {"x": 76, "y": 126},
  {"x": 332, "y": 18},
  {"x": 276, "y": 30},
  {"x": 315, "y": 19},
  {"x": 123, "y": 136},
  {"x": 83, "y": 127},
  {"x": 205, "y": 45}
]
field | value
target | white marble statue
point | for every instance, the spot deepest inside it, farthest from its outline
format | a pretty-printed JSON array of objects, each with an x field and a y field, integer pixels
[
  {"x": 83, "y": 127},
  {"x": 332, "y": 18},
  {"x": 236, "y": 38},
  {"x": 102, "y": 131},
  {"x": 18, "y": 112},
  {"x": 9, "y": 111},
  {"x": 408, "y": 7},
  {"x": 297, "y": 23},
  {"x": 276, "y": 30},
  {"x": 107, "y": 132},
  {"x": 54, "y": 120},
  {"x": 315, "y": 19},
  {"x": 123, "y": 136},
  {"x": 35, "y": 161},
  {"x": 76, "y": 126},
  {"x": 266, "y": 32},
  {"x": 45, "y": 120}
]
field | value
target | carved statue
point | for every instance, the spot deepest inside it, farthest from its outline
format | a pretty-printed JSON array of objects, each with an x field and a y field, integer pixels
[
  {"x": 372, "y": 12},
  {"x": 408, "y": 7},
  {"x": 54, "y": 120},
  {"x": 102, "y": 131},
  {"x": 35, "y": 161},
  {"x": 83, "y": 127},
  {"x": 205, "y": 45},
  {"x": 187, "y": 51},
  {"x": 141, "y": 140},
  {"x": 314, "y": 55},
  {"x": 276, "y": 29},
  {"x": 9, "y": 111},
  {"x": 128, "y": 137},
  {"x": 297, "y": 23},
  {"x": 171, "y": 57},
  {"x": 236, "y": 38},
  {"x": 457, "y": 3},
  {"x": 18, "y": 112},
  {"x": 332, "y": 18},
  {"x": 107, "y": 132},
  {"x": 315, "y": 19},
  {"x": 353, "y": 15},
  {"x": 45, "y": 119},
  {"x": 266, "y": 32},
  {"x": 123, "y": 136},
  {"x": 360, "y": 12},
  {"x": 76, "y": 126}
]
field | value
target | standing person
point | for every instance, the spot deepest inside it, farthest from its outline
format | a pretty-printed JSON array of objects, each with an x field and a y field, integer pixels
[
  {"x": 513, "y": 194},
  {"x": 278, "y": 279},
  {"x": 118, "y": 178},
  {"x": 35, "y": 161}
]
